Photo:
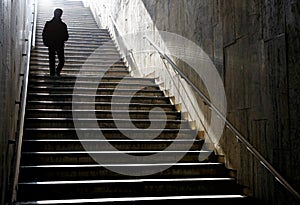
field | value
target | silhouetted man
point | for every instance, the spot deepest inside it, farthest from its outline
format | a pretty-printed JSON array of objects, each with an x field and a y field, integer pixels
[{"x": 55, "y": 34}]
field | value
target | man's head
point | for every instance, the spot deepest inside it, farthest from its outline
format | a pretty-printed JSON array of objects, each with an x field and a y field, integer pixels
[{"x": 58, "y": 13}]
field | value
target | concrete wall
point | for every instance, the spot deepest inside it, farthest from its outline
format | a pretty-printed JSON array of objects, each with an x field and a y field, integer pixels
[
  {"x": 255, "y": 47},
  {"x": 15, "y": 23},
  {"x": 133, "y": 22}
]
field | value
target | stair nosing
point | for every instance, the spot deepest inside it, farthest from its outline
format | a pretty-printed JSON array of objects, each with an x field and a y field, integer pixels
[
  {"x": 141, "y": 180},
  {"x": 106, "y": 129},
  {"x": 96, "y": 103},
  {"x": 110, "y": 111},
  {"x": 133, "y": 199},
  {"x": 121, "y": 165},
  {"x": 110, "y": 140}
]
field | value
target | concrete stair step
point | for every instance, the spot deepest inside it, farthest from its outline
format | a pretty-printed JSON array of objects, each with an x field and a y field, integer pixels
[
  {"x": 97, "y": 171},
  {"x": 108, "y": 157},
  {"x": 84, "y": 64},
  {"x": 100, "y": 40},
  {"x": 95, "y": 55},
  {"x": 58, "y": 83},
  {"x": 125, "y": 188},
  {"x": 98, "y": 91},
  {"x": 98, "y": 98},
  {"x": 175, "y": 200},
  {"x": 89, "y": 22},
  {"x": 95, "y": 105},
  {"x": 103, "y": 65},
  {"x": 105, "y": 123},
  {"x": 100, "y": 55},
  {"x": 83, "y": 44},
  {"x": 122, "y": 145},
  {"x": 79, "y": 29},
  {"x": 79, "y": 56},
  {"x": 61, "y": 3},
  {"x": 101, "y": 87},
  {"x": 103, "y": 114},
  {"x": 81, "y": 82},
  {"x": 70, "y": 72},
  {"x": 109, "y": 133},
  {"x": 82, "y": 37},
  {"x": 100, "y": 67},
  {"x": 79, "y": 48},
  {"x": 77, "y": 71},
  {"x": 91, "y": 79},
  {"x": 76, "y": 31},
  {"x": 83, "y": 52}
]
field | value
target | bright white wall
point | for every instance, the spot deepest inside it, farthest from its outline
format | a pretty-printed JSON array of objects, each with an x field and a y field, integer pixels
[{"x": 133, "y": 22}]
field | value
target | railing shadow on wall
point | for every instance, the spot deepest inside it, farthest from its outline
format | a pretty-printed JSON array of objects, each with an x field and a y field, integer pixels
[
  {"x": 30, "y": 39},
  {"x": 113, "y": 27}
]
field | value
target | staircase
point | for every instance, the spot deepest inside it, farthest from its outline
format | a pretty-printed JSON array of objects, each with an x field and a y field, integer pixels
[{"x": 55, "y": 167}]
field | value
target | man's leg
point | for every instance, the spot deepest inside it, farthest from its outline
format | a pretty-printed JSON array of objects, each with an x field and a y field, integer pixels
[
  {"x": 51, "y": 60},
  {"x": 61, "y": 58}
]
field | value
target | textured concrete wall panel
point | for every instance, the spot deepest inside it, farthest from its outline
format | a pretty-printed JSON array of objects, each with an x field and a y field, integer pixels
[{"x": 255, "y": 45}]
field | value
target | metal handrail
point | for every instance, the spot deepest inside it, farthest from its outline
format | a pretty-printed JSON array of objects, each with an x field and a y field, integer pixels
[
  {"x": 183, "y": 101},
  {"x": 132, "y": 62},
  {"x": 238, "y": 135},
  {"x": 115, "y": 24},
  {"x": 23, "y": 100},
  {"x": 34, "y": 23}
]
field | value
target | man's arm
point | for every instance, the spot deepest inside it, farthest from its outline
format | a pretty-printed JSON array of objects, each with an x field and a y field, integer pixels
[
  {"x": 45, "y": 35},
  {"x": 66, "y": 33}
]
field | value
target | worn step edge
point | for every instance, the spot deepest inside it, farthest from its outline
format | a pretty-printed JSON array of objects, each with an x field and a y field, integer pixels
[
  {"x": 132, "y": 199},
  {"x": 127, "y": 181},
  {"x": 50, "y": 119},
  {"x": 105, "y": 111},
  {"x": 51, "y": 88},
  {"x": 121, "y": 165},
  {"x": 95, "y": 103},
  {"x": 112, "y": 152}
]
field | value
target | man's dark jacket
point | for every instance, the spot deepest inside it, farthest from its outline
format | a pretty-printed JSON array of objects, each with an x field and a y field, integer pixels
[{"x": 55, "y": 33}]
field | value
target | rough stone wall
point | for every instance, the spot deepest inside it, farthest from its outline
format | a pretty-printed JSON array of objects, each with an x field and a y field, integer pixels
[
  {"x": 255, "y": 46},
  {"x": 15, "y": 18}
]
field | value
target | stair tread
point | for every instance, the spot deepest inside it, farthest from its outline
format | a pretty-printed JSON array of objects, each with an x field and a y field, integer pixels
[
  {"x": 129, "y": 90},
  {"x": 106, "y": 119},
  {"x": 107, "y": 111},
  {"x": 105, "y": 129},
  {"x": 81, "y": 79},
  {"x": 109, "y": 140},
  {"x": 86, "y": 88},
  {"x": 134, "y": 199},
  {"x": 122, "y": 165},
  {"x": 91, "y": 77},
  {"x": 128, "y": 181},
  {"x": 112, "y": 152},
  {"x": 96, "y": 95},
  {"x": 96, "y": 103}
]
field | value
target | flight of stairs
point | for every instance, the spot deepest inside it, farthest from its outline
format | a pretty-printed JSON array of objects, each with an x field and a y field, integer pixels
[{"x": 56, "y": 169}]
